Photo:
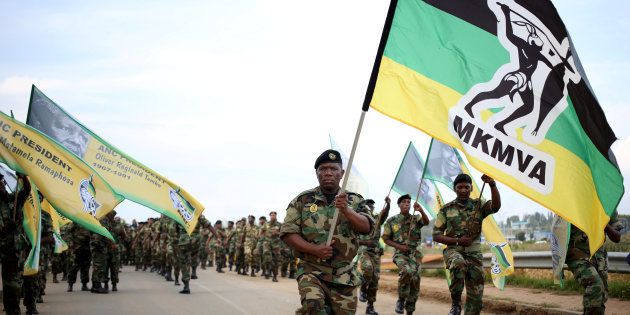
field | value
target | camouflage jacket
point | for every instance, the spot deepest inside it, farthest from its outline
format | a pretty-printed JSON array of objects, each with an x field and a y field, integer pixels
[
  {"x": 11, "y": 231},
  {"x": 456, "y": 219},
  {"x": 375, "y": 235},
  {"x": 251, "y": 235},
  {"x": 230, "y": 235},
  {"x": 273, "y": 232},
  {"x": 79, "y": 237},
  {"x": 310, "y": 215},
  {"x": 397, "y": 229},
  {"x": 578, "y": 241}
]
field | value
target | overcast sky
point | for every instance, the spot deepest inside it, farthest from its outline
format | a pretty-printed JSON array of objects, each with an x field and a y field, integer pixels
[{"x": 234, "y": 100}]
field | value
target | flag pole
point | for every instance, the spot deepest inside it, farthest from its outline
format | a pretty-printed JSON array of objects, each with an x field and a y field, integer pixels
[
  {"x": 366, "y": 102},
  {"x": 347, "y": 175}
]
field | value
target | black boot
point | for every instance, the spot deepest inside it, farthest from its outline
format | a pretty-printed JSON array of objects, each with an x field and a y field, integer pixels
[
  {"x": 193, "y": 275},
  {"x": 370, "y": 309},
  {"x": 275, "y": 278},
  {"x": 210, "y": 263},
  {"x": 84, "y": 287},
  {"x": 456, "y": 308},
  {"x": 291, "y": 274},
  {"x": 69, "y": 287},
  {"x": 253, "y": 274},
  {"x": 106, "y": 286},
  {"x": 362, "y": 296},
  {"x": 55, "y": 278},
  {"x": 95, "y": 286},
  {"x": 230, "y": 267},
  {"x": 64, "y": 277},
  {"x": 39, "y": 299},
  {"x": 31, "y": 310},
  {"x": 220, "y": 269},
  {"x": 186, "y": 289},
  {"x": 203, "y": 265},
  {"x": 400, "y": 306},
  {"x": 283, "y": 273},
  {"x": 169, "y": 277},
  {"x": 114, "y": 288},
  {"x": 176, "y": 280}
]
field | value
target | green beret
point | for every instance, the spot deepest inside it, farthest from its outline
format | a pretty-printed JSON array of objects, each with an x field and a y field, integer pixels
[{"x": 328, "y": 156}]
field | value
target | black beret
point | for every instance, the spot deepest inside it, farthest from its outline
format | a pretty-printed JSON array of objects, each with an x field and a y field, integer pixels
[
  {"x": 462, "y": 178},
  {"x": 328, "y": 156},
  {"x": 230, "y": 222},
  {"x": 218, "y": 222},
  {"x": 403, "y": 197},
  {"x": 370, "y": 201},
  {"x": 262, "y": 218}
]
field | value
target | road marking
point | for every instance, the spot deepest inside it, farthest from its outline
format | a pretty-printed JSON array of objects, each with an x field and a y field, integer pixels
[{"x": 238, "y": 308}]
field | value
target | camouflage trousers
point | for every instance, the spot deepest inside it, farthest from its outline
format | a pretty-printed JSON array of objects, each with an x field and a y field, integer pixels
[
  {"x": 195, "y": 249},
  {"x": 231, "y": 253},
  {"x": 219, "y": 252},
  {"x": 370, "y": 274},
  {"x": 272, "y": 255},
  {"x": 408, "y": 280},
  {"x": 113, "y": 264},
  {"x": 184, "y": 260},
  {"x": 79, "y": 260},
  {"x": 100, "y": 265},
  {"x": 11, "y": 279},
  {"x": 466, "y": 269},
  {"x": 288, "y": 262},
  {"x": 31, "y": 290},
  {"x": 592, "y": 275},
  {"x": 249, "y": 256},
  {"x": 59, "y": 263},
  {"x": 321, "y": 297},
  {"x": 171, "y": 257}
]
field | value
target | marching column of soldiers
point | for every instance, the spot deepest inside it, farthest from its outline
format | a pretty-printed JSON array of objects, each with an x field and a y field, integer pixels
[{"x": 328, "y": 275}]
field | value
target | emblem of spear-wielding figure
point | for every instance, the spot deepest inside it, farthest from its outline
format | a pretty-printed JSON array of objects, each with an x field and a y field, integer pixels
[{"x": 520, "y": 81}]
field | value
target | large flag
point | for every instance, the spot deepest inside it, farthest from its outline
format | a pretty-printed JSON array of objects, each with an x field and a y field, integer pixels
[
  {"x": 57, "y": 222},
  {"x": 32, "y": 223},
  {"x": 127, "y": 176},
  {"x": 356, "y": 182},
  {"x": 68, "y": 183},
  {"x": 443, "y": 165},
  {"x": 500, "y": 80}
]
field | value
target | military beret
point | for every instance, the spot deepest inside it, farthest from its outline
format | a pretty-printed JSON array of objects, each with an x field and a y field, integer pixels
[
  {"x": 370, "y": 201},
  {"x": 462, "y": 178},
  {"x": 272, "y": 212},
  {"x": 230, "y": 222},
  {"x": 262, "y": 218},
  {"x": 328, "y": 156},
  {"x": 218, "y": 222},
  {"x": 403, "y": 197}
]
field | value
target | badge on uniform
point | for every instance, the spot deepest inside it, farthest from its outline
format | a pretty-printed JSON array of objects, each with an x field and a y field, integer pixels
[
  {"x": 313, "y": 208},
  {"x": 396, "y": 227}
]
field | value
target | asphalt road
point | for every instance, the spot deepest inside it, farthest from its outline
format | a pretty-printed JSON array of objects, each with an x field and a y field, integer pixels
[{"x": 212, "y": 293}]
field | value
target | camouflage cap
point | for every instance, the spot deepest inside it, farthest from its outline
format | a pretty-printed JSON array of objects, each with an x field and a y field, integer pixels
[{"x": 328, "y": 156}]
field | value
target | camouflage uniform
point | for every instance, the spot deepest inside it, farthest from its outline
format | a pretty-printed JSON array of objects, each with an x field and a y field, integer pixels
[
  {"x": 457, "y": 219},
  {"x": 326, "y": 287},
  {"x": 207, "y": 253},
  {"x": 231, "y": 246},
  {"x": 370, "y": 257},
  {"x": 184, "y": 253},
  {"x": 219, "y": 249},
  {"x": 100, "y": 247},
  {"x": 590, "y": 272},
  {"x": 239, "y": 249},
  {"x": 115, "y": 251},
  {"x": 397, "y": 229},
  {"x": 12, "y": 241},
  {"x": 79, "y": 255},
  {"x": 261, "y": 238},
  {"x": 172, "y": 249},
  {"x": 47, "y": 249},
  {"x": 249, "y": 247},
  {"x": 272, "y": 247}
]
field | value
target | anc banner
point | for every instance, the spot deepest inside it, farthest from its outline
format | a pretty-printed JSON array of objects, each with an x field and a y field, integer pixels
[
  {"x": 70, "y": 185},
  {"x": 32, "y": 224},
  {"x": 57, "y": 222},
  {"x": 443, "y": 165},
  {"x": 500, "y": 80},
  {"x": 127, "y": 176}
]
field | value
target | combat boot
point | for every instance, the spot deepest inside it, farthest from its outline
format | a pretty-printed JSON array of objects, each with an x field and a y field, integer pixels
[
  {"x": 370, "y": 309},
  {"x": 456, "y": 308},
  {"x": 95, "y": 286},
  {"x": 186, "y": 289},
  {"x": 266, "y": 273},
  {"x": 84, "y": 287},
  {"x": 203, "y": 265},
  {"x": 114, "y": 287},
  {"x": 64, "y": 277},
  {"x": 220, "y": 270},
  {"x": 39, "y": 299},
  {"x": 193, "y": 275},
  {"x": 103, "y": 289},
  {"x": 55, "y": 278},
  {"x": 31, "y": 310},
  {"x": 176, "y": 280},
  {"x": 69, "y": 287},
  {"x": 106, "y": 285},
  {"x": 169, "y": 276},
  {"x": 275, "y": 277},
  {"x": 400, "y": 306},
  {"x": 283, "y": 273},
  {"x": 291, "y": 274},
  {"x": 230, "y": 266},
  {"x": 253, "y": 274},
  {"x": 210, "y": 263},
  {"x": 362, "y": 296}
]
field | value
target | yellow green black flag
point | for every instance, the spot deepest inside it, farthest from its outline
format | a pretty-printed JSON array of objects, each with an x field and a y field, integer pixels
[{"x": 501, "y": 81}]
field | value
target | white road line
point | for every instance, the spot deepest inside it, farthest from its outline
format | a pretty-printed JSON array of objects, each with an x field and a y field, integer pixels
[{"x": 238, "y": 308}]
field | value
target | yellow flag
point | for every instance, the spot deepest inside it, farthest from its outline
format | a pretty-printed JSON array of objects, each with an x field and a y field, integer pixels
[
  {"x": 32, "y": 223},
  {"x": 70, "y": 185},
  {"x": 57, "y": 222},
  {"x": 130, "y": 178}
]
